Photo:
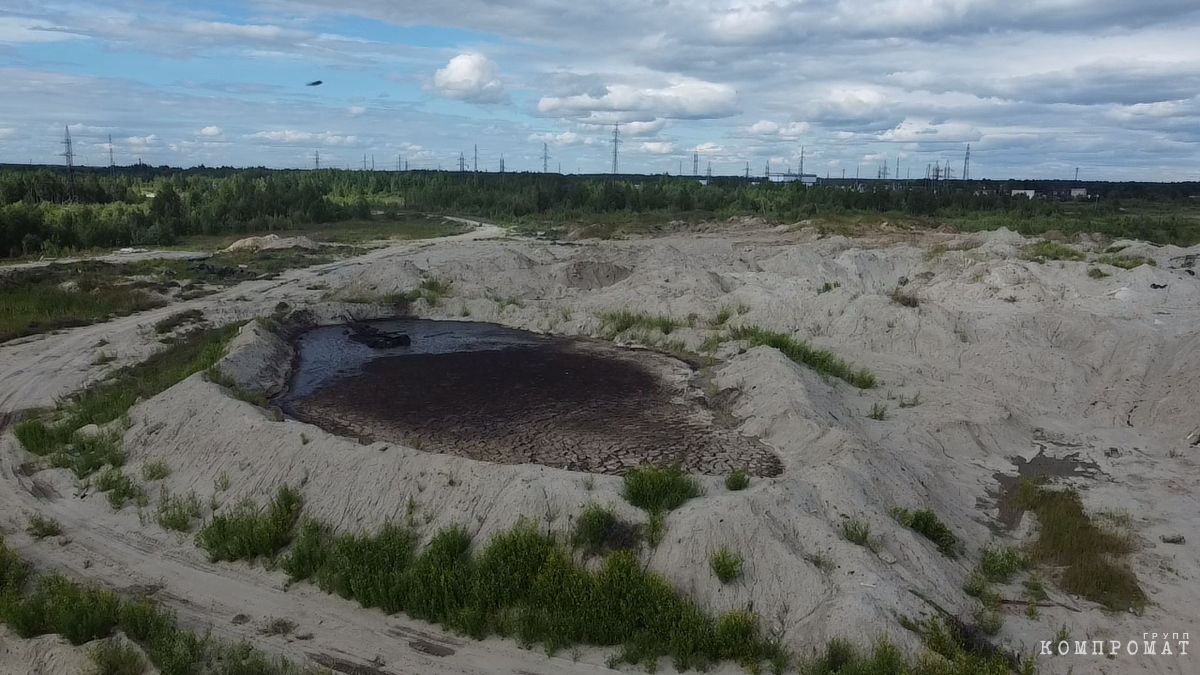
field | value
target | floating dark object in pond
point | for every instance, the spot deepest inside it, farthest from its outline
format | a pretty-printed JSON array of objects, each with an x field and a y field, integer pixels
[
  {"x": 377, "y": 339},
  {"x": 1158, "y": 286}
]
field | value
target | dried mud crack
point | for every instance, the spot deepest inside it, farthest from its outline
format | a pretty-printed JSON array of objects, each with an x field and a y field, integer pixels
[{"x": 563, "y": 405}]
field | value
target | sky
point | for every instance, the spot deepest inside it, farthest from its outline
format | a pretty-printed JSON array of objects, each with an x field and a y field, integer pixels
[{"x": 1038, "y": 88}]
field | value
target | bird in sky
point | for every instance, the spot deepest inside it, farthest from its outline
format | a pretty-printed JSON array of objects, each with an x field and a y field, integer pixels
[{"x": 315, "y": 83}]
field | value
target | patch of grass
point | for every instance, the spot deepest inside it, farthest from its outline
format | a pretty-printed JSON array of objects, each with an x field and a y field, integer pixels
[
  {"x": 988, "y": 621},
  {"x": 615, "y": 323},
  {"x": 1091, "y": 556},
  {"x": 177, "y": 513},
  {"x": 726, "y": 564},
  {"x": 910, "y": 402},
  {"x": 58, "y": 605},
  {"x": 1050, "y": 250},
  {"x": 738, "y": 480},
  {"x": 432, "y": 289},
  {"x": 249, "y": 532},
  {"x": 41, "y": 527},
  {"x": 120, "y": 487},
  {"x": 952, "y": 650},
  {"x": 656, "y": 488},
  {"x": 822, "y": 561},
  {"x": 110, "y": 657},
  {"x": 1097, "y": 273},
  {"x": 178, "y": 319},
  {"x": 878, "y": 412},
  {"x": 927, "y": 524},
  {"x": 524, "y": 585},
  {"x": 1000, "y": 564},
  {"x": 656, "y": 528},
  {"x": 829, "y": 286},
  {"x": 1124, "y": 260},
  {"x": 155, "y": 471},
  {"x": 905, "y": 299},
  {"x": 722, "y": 317},
  {"x": 53, "y": 434},
  {"x": 45, "y": 299},
  {"x": 857, "y": 531},
  {"x": 104, "y": 359},
  {"x": 1035, "y": 590},
  {"x": 215, "y": 376},
  {"x": 820, "y": 360},
  {"x": 278, "y": 626},
  {"x": 505, "y": 301},
  {"x": 599, "y": 530}
]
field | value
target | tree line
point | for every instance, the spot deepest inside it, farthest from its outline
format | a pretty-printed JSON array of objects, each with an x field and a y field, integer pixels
[{"x": 44, "y": 210}]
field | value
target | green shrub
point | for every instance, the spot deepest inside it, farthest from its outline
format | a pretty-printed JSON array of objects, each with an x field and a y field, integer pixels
[
  {"x": 615, "y": 323},
  {"x": 904, "y": 299},
  {"x": 726, "y": 564},
  {"x": 177, "y": 513},
  {"x": 1124, "y": 261},
  {"x": 1097, "y": 273},
  {"x": 439, "y": 582},
  {"x": 110, "y": 657},
  {"x": 857, "y": 531},
  {"x": 1000, "y": 564},
  {"x": 820, "y": 360},
  {"x": 155, "y": 471},
  {"x": 248, "y": 532},
  {"x": 656, "y": 528},
  {"x": 599, "y": 530},
  {"x": 120, "y": 488},
  {"x": 1050, "y": 250},
  {"x": 13, "y": 571},
  {"x": 738, "y": 480},
  {"x": 655, "y": 488},
  {"x": 178, "y": 319},
  {"x": 41, "y": 527},
  {"x": 829, "y": 286},
  {"x": 927, "y": 524},
  {"x": 878, "y": 412},
  {"x": 58, "y": 605}
]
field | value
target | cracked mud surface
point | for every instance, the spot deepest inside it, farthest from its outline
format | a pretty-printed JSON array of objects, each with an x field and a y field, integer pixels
[{"x": 563, "y": 404}]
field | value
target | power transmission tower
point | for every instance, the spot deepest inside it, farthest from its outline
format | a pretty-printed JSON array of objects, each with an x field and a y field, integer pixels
[
  {"x": 966, "y": 174},
  {"x": 462, "y": 162},
  {"x": 616, "y": 143},
  {"x": 708, "y": 174},
  {"x": 1076, "y": 174},
  {"x": 112, "y": 162},
  {"x": 69, "y": 155},
  {"x": 502, "y": 162},
  {"x": 802, "y": 161},
  {"x": 767, "y": 171},
  {"x": 695, "y": 164},
  {"x": 372, "y": 163},
  {"x": 476, "y": 169},
  {"x": 317, "y": 160},
  {"x": 364, "y": 161},
  {"x": 897, "y": 175},
  {"x": 747, "y": 169},
  {"x": 545, "y": 158}
]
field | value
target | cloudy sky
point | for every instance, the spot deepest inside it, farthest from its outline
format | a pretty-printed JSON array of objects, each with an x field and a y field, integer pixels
[{"x": 1037, "y": 87}]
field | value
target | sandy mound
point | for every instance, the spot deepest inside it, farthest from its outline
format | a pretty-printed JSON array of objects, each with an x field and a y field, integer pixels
[{"x": 270, "y": 241}]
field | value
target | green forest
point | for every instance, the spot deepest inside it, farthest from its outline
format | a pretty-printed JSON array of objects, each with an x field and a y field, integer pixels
[{"x": 44, "y": 211}]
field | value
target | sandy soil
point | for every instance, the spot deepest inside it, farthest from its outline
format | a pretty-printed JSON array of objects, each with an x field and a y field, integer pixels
[{"x": 1011, "y": 359}]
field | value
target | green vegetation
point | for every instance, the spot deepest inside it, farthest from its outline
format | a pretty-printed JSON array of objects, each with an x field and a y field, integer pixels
[
  {"x": 656, "y": 527},
  {"x": 110, "y": 657},
  {"x": 45, "y": 299},
  {"x": 949, "y": 652},
  {"x": 599, "y": 530},
  {"x": 656, "y": 488},
  {"x": 248, "y": 532},
  {"x": 738, "y": 480},
  {"x": 120, "y": 487},
  {"x": 615, "y": 323},
  {"x": 878, "y": 411},
  {"x": 904, "y": 299},
  {"x": 278, "y": 627},
  {"x": 84, "y": 613},
  {"x": 431, "y": 289},
  {"x": 523, "y": 584},
  {"x": 1089, "y": 555},
  {"x": 829, "y": 286},
  {"x": 177, "y": 513},
  {"x": 1097, "y": 273},
  {"x": 41, "y": 527},
  {"x": 54, "y": 434},
  {"x": 178, "y": 319},
  {"x": 1124, "y": 261},
  {"x": 927, "y": 524},
  {"x": 1000, "y": 564},
  {"x": 1050, "y": 250},
  {"x": 910, "y": 402},
  {"x": 505, "y": 301},
  {"x": 820, "y": 360},
  {"x": 215, "y": 376},
  {"x": 858, "y": 531},
  {"x": 726, "y": 564},
  {"x": 155, "y": 471}
]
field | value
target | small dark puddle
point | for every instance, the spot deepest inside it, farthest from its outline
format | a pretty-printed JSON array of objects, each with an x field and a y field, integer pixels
[
  {"x": 1041, "y": 466},
  {"x": 507, "y": 396}
]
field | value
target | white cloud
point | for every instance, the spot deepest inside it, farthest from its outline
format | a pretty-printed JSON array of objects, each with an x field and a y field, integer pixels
[
  {"x": 210, "y": 131},
  {"x": 292, "y": 136},
  {"x": 791, "y": 130},
  {"x": 7, "y": 132},
  {"x": 708, "y": 148},
  {"x": 565, "y": 138},
  {"x": 16, "y": 29},
  {"x": 911, "y": 131},
  {"x": 142, "y": 141},
  {"x": 470, "y": 77},
  {"x": 658, "y": 147},
  {"x": 356, "y": 111},
  {"x": 686, "y": 98},
  {"x": 764, "y": 128}
]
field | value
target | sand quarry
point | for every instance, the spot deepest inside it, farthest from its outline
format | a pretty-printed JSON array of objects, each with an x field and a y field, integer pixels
[{"x": 1012, "y": 361}]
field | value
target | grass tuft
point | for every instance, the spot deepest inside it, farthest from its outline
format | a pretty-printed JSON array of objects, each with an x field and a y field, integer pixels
[
  {"x": 248, "y": 532},
  {"x": 615, "y": 323},
  {"x": 878, "y": 412},
  {"x": 111, "y": 657},
  {"x": 177, "y": 513},
  {"x": 904, "y": 299},
  {"x": 1097, "y": 273},
  {"x": 1124, "y": 260},
  {"x": 738, "y": 480},
  {"x": 655, "y": 488},
  {"x": 820, "y": 360},
  {"x": 927, "y": 524},
  {"x": 41, "y": 527},
  {"x": 120, "y": 487},
  {"x": 726, "y": 564},
  {"x": 857, "y": 531},
  {"x": 599, "y": 530},
  {"x": 155, "y": 471},
  {"x": 1050, "y": 250},
  {"x": 178, "y": 319},
  {"x": 1000, "y": 564}
]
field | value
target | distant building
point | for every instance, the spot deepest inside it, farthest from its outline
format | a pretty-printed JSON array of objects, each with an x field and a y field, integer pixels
[
  {"x": 809, "y": 179},
  {"x": 1076, "y": 193},
  {"x": 1028, "y": 194}
]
